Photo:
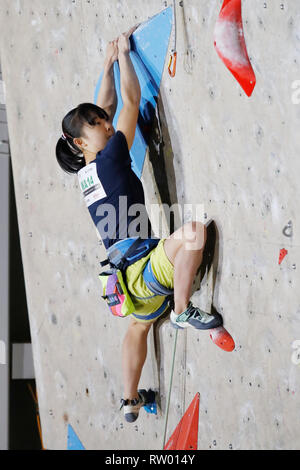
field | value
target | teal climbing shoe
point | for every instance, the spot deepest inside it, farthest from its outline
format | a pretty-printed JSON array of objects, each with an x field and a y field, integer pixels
[{"x": 196, "y": 318}]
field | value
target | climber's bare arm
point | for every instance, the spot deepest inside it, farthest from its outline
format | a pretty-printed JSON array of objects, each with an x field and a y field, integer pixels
[
  {"x": 107, "y": 97},
  {"x": 130, "y": 86},
  {"x": 130, "y": 90}
]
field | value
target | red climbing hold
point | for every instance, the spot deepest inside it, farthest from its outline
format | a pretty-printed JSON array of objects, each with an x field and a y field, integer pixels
[
  {"x": 222, "y": 338},
  {"x": 230, "y": 44},
  {"x": 185, "y": 436},
  {"x": 282, "y": 254}
]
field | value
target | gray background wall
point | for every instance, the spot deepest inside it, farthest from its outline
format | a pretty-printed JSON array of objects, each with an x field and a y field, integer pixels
[{"x": 237, "y": 156}]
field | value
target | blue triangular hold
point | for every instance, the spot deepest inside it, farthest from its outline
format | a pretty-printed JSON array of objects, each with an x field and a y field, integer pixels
[
  {"x": 74, "y": 442},
  {"x": 149, "y": 46}
]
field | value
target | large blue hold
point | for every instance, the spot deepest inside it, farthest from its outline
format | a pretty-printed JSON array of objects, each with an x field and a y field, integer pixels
[{"x": 149, "y": 46}]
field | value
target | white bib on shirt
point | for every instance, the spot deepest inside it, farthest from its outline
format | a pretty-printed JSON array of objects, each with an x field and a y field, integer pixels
[{"x": 90, "y": 184}]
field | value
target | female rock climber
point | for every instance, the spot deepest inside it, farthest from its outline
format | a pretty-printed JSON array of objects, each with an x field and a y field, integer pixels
[{"x": 90, "y": 144}]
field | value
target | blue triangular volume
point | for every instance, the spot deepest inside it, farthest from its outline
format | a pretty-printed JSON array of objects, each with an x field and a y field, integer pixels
[
  {"x": 149, "y": 46},
  {"x": 74, "y": 442}
]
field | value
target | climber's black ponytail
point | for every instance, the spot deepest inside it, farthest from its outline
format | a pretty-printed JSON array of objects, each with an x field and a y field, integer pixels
[{"x": 69, "y": 156}]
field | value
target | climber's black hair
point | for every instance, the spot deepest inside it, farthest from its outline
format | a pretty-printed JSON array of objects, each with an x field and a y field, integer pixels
[{"x": 68, "y": 155}]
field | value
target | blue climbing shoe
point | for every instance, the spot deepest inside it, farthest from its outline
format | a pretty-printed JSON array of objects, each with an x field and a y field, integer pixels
[{"x": 196, "y": 318}]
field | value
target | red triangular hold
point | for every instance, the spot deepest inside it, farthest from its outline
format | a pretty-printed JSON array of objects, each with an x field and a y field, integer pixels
[
  {"x": 185, "y": 436},
  {"x": 282, "y": 254},
  {"x": 229, "y": 42}
]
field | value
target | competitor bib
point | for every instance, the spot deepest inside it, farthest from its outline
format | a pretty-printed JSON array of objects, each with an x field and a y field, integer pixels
[{"x": 90, "y": 184}]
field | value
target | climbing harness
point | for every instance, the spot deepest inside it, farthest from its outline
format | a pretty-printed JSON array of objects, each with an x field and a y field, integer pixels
[
  {"x": 127, "y": 251},
  {"x": 158, "y": 289},
  {"x": 173, "y": 55},
  {"x": 152, "y": 283},
  {"x": 121, "y": 255}
]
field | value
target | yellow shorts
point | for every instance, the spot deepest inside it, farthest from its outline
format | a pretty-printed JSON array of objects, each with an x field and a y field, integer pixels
[{"x": 145, "y": 302}]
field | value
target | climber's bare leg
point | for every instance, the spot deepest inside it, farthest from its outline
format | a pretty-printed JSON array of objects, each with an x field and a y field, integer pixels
[
  {"x": 184, "y": 248},
  {"x": 134, "y": 352}
]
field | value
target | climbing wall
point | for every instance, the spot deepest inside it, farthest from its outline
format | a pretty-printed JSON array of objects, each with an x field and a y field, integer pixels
[{"x": 233, "y": 153}]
